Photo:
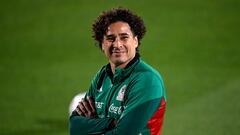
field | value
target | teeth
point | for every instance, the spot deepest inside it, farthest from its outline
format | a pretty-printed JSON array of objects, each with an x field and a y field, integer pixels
[{"x": 117, "y": 50}]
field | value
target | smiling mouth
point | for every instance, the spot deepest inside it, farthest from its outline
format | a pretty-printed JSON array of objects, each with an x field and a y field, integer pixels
[{"x": 118, "y": 51}]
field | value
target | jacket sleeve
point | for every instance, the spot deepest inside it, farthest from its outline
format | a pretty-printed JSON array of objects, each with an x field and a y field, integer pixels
[
  {"x": 143, "y": 101},
  {"x": 80, "y": 125}
]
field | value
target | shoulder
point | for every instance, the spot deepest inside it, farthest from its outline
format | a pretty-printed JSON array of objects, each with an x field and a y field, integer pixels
[
  {"x": 146, "y": 83},
  {"x": 100, "y": 72},
  {"x": 145, "y": 78},
  {"x": 146, "y": 72},
  {"x": 99, "y": 76}
]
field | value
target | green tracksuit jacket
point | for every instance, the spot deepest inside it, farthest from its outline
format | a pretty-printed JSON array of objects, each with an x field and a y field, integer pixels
[{"x": 134, "y": 96}]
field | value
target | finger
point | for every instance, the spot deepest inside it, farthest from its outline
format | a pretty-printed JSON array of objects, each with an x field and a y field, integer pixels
[
  {"x": 92, "y": 104},
  {"x": 79, "y": 112},
  {"x": 113, "y": 124},
  {"x": 87, "y": 107},
  {"x": 82, "y": 108}
]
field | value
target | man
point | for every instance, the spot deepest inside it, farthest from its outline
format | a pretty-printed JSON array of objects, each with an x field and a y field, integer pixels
[{"x": 127, "y": 96}]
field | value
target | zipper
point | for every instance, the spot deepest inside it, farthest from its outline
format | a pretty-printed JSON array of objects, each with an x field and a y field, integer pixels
[{"x": 109, "y": 98}]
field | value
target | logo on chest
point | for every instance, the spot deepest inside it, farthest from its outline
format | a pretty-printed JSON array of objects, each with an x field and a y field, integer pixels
[
  {"x": 116, "y": 109},
  {"x": 121, "y": 93}
]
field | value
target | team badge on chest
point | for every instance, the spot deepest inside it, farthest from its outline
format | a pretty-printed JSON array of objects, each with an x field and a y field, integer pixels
[{"x": 121, "y": 94}]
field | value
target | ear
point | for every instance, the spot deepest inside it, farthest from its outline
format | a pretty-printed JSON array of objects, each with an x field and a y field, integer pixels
[
  {"x": 102, "y": 47},
  {"x": 136, "y": 41}
]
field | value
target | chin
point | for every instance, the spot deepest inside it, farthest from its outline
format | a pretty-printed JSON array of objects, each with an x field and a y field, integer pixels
[{"x": 118, "y": 62}]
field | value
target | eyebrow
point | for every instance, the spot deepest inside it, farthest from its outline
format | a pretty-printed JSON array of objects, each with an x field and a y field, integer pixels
[
  {"x": 111, "y": 35},
  {"x": 121, "y": 34}
]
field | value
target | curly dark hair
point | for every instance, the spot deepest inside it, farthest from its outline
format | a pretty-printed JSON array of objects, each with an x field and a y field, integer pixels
[{"x": 99, "y": 27}]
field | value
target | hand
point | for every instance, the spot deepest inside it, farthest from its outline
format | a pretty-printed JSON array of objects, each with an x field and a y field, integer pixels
[
  {"x": 87, "y": 108},
  {"x": 112, "y": 124}
]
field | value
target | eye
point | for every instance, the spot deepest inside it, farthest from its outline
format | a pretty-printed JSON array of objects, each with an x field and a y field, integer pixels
[
  {"x": 124, "y": 37},
  {"x": 110, "y": 39}
]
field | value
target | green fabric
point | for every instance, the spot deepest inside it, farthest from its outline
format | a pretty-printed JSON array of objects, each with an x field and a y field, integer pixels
[
  {"x": 122, "y": 96},
  {"x": 81, "y": 125},
  {"x": 135, "y": 121}
]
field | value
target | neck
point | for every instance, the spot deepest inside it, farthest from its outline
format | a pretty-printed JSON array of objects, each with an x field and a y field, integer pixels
[{"x": 123, "y": 65}]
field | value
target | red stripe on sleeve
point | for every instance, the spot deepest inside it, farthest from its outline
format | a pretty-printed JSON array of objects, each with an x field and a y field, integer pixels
[{"x": 155, "y": 123}]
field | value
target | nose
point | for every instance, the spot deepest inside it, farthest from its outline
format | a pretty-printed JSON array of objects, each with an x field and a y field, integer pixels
[{"x": 117, "y": 43}]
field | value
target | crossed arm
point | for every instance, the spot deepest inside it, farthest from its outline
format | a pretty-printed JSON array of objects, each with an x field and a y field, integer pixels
[
  {"x": 87, "y": 108},
  {"x": 84, "y": 119},
  {"x": 137, "y": 113}
]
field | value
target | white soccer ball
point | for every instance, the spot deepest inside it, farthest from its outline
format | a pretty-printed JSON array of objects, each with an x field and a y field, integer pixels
[{"x": 75, "y": 102}]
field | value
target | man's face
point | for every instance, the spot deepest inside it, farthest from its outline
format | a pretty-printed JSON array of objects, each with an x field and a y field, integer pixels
[{"x": 119, "y": 44}]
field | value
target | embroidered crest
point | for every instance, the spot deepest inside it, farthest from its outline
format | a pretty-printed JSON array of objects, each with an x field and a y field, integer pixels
[
  {"x": 99, "y": 105},
  {"x": 121, "y": 94}
]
